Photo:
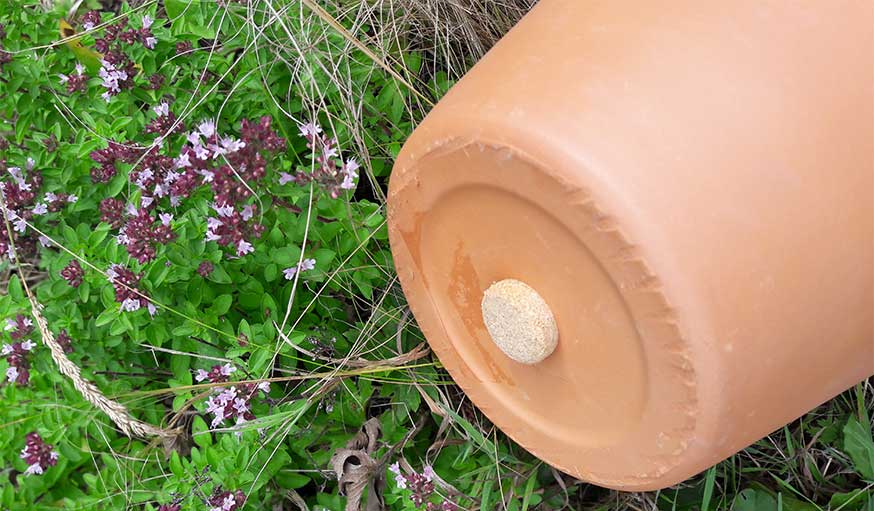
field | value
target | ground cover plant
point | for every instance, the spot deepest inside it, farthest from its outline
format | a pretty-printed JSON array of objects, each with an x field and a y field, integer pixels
[{"x": 199, "y": 304}]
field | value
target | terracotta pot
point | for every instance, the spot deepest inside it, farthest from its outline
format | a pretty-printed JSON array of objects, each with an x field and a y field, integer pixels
[{"x": 688, "y": 188}]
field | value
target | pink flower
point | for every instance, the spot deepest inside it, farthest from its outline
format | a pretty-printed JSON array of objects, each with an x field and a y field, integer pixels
[
  {"x": 285, "y": 177},
  {"x": 244, "y": 247},
  {"x": 400, "y": 480},
  {"x": 207, "y": 128},
  {"x": 147, "y": 21},
  {"x": 224, "y": 210},
  {"x": 218, "y": 373},
  {"x": 130, "y": 304},
  {"x": 306, "y": 264},
  {"x": 428, "y": 473},
  {"x": 182, "y": 161},
  {"x": 310, "y": 129},
  {"x": 231, "y": 145},
  {"x": 201, "y": 152},
  {"x": 162, "y": 109},
  {"x": 248, "y": 212},
  {"x": 349, "y": 174}
]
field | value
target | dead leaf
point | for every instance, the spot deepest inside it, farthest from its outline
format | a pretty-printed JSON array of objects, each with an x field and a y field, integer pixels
[{"x": 357, "y": 471}]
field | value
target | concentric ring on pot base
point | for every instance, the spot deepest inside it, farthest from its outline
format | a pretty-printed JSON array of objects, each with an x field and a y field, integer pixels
[{"x": 468, "y": 214}]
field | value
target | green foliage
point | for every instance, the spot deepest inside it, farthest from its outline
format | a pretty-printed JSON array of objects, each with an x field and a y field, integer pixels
[{"x": 296, "y": 334}]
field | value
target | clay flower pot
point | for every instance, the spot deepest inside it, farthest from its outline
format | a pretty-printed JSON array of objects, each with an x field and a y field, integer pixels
[{"x": 685, "y": 192}]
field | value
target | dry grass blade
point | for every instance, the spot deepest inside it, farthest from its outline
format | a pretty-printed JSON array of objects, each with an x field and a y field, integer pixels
[{"x": 327, "y": 18}]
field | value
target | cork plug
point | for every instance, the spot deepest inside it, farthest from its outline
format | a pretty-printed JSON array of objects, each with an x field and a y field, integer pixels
[{"x": 519, "y": 321}]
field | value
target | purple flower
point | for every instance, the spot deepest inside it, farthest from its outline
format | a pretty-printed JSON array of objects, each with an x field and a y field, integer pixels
[
  {"x": 38, "y": 455},
  {"x": 77, "y": 82},
  {"x": 73, "y": 273},
  {"x": 65, "y": 341},
  {"x": 40, "y": 209},
  {"x": 205, "y": 268},
  {"x": 183, "y": 47},
  {"x": 19, "y": 327},
  {"x": 201, "y": 152},
  {"x": 327, "y": 171},
  {"x": 17, "y": 355},
  {"x": 231, "y": 145},
  {"x": 218, "y": 373},
  {"x": 221, "y": 500},
  {"x": 141, "y": 234},
  {"x": 90, "y": 20},
  {"x": 420, "y": 484},
  {"x": 233, "y": 403},
  {"x": 130, "y": 304},
  {"x": 126, "y": 284}
]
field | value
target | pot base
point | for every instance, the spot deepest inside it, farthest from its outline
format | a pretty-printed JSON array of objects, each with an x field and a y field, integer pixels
[{"x": 453, "y": 219}]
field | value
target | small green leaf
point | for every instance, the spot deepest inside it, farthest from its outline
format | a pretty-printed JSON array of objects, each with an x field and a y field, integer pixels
[
  {"x": 754, "y": 500},
  {"x": 859, "y": 445},
  {"x": 14, "y": 288},
  {"x": 221, "y": 304},
  {"x": 219, "y": 275},
  {"x": 200, "y": 432},
  {"x": 106, "y": 317},
  {"x": 176, "y": 464},
  {"x": 176, "y": 8}
]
